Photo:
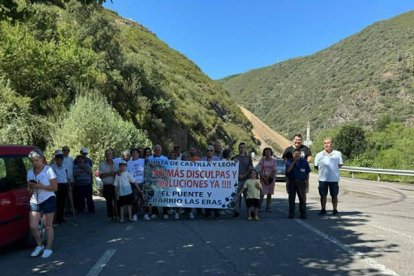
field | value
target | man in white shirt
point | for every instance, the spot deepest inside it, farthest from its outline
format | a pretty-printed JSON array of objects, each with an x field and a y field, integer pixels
[{"x": 328, "y": 163}]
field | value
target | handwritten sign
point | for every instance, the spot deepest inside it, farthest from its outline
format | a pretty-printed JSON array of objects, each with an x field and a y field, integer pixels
[{"x": 192, "y": 184}]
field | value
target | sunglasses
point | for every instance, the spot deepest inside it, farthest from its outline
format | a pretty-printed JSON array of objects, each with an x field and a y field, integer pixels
[{"x": 209, "y": 150}]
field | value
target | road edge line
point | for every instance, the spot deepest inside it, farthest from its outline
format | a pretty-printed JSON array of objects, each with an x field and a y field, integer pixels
[
  {"x": 382, "y": 269},
  {"x": 101, "y": 263}
]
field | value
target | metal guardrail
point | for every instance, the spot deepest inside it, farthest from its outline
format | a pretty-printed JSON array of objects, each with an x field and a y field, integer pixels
[{"x": 379, "y": 172}]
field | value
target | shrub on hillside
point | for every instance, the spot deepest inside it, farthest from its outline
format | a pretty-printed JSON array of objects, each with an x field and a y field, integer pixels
[{"x": 91, "y": 122}]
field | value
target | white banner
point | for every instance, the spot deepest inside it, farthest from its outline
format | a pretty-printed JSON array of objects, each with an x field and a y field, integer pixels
[
  {"x": 136, "y": 168},
  {"x": 199, "y": 184}
]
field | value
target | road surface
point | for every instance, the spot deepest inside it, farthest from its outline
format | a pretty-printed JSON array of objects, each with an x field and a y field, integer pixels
[{"x": 374, "y": 235}]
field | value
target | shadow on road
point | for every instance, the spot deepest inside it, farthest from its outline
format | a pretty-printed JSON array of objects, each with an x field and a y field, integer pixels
[{"x": 275, "y": 245}]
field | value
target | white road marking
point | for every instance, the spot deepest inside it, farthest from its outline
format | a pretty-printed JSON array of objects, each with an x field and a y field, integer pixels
[
  {"x": 383, "y": 270},
  {"x": 410, "y": 238},
  {"x": 101, "y": 263}
]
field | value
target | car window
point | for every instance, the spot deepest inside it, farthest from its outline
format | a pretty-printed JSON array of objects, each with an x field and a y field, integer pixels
[
  {"x": 12, "y": 173},
  {"x": 4, "y": 186}
]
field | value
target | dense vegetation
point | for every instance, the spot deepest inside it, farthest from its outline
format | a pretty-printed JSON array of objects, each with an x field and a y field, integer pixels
[
  {"x": 60, "y": 57},
  {"x": 359, "y": 80}
]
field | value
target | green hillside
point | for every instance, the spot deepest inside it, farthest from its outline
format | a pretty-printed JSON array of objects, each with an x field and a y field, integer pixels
[
  {"x": 55, "y": 56},
  {"x": 361, "y": 80}
]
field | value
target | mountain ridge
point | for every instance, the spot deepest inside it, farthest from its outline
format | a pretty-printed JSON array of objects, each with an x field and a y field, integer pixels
[{"x": 359, "y": 79}]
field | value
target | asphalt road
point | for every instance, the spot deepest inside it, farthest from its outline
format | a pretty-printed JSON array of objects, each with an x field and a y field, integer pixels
[{"x": 374, "y": 235}]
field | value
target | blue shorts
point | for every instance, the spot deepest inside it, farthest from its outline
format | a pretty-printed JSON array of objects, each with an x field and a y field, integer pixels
[
  {"x": 46, "y": 207},
  {"x": 333, "y": 188}
]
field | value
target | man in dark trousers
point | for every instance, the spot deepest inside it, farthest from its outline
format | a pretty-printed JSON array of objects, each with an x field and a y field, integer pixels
[{"x": 298, "y": 171}]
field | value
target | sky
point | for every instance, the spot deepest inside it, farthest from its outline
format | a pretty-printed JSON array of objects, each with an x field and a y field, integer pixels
[{"x": 227, "y": 37}]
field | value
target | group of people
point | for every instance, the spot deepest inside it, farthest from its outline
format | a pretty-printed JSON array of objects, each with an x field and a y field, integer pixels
[
  {"x": 298, "y": 158},
  {"x": 50, "y": 185}
]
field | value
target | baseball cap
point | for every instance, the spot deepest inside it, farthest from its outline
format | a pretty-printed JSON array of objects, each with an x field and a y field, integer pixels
[
  {"x": 58, "y": 152},
  {"x": 122, "y": 162},
  {"x": 84, "y": 150}
]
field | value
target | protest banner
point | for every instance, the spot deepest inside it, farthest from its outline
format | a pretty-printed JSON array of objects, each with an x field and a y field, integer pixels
[{"x": 189, "y": 184}]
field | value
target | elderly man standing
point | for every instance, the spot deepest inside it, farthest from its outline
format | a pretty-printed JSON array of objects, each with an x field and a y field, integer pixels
[{"x": 328, "y": 162}]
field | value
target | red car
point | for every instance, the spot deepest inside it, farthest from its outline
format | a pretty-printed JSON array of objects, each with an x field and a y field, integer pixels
[{"x": 14, "y": 198}]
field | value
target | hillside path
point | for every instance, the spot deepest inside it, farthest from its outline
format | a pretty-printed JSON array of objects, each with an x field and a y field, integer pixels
[{"x": 263, "y": 132}]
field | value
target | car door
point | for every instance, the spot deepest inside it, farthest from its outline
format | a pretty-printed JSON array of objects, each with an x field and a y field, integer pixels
[{"x": 14, "y": 198}]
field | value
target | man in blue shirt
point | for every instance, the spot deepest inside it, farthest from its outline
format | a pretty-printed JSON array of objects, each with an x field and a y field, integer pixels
[{"x": 298, "y": 171}]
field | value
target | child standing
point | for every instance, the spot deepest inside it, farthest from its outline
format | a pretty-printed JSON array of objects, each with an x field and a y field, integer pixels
[
  {"x": 253, "y": 190},
  {"x": 123, "y": 190}
]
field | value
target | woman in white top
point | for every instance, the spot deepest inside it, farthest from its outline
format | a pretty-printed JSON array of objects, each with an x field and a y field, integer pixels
[{"x": 41, "y": 181}]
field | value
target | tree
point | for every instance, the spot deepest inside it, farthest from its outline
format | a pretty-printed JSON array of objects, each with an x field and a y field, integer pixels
[
  {"x": 18, "y": 124},
  {"x": 351, "y": 141},
  {"x": 91, "y": 122}
]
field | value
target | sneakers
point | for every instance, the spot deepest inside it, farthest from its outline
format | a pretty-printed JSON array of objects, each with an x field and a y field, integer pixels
[
  {"x": 134, "y": 217},
  {"x": 236, "y": 214},
  {"x": 165, "y": 216},
  {"x": 249, "y": 218},
  {"x": 47, "y": 253},
  {"x": 36, "y": 252},
  {"x": 153, "y": 216},
  {"x": 176, "y": 216},
  {"x": 191, "y": 215},
  {"x": 146, "y": 217},
  {"x": 322, "y": 212},
  {"x": 335, "y": 212},
  {"x": 256, "y": 218},
  {"x": 268, "y": 210}
]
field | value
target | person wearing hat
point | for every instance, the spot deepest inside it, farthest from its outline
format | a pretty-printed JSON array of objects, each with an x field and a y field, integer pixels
[
  {"x": 82, "y": 174},
  {"x": 84, "y": 152},
  {"x": 123, "y": 190},
  {"x": 62, "y": 180}
]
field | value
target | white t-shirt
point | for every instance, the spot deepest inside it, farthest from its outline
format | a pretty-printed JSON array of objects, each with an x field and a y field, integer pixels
[
  {"x": 44, "y": 177},
  {"x": 136, "y": 168},
  {"x": 123, "y": 183},
  {"x": 328, "y": 165}
]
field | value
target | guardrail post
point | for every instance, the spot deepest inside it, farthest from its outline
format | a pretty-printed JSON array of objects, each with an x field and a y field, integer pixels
[
  {"x": 378, "y": 177},
  {"x": 352, "y": 174}
]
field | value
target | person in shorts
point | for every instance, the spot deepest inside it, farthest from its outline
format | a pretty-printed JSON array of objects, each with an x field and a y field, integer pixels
[
  {"x": 253, "y": 189},
  {"x": 328, "y": 162},
  {"x": 42, "y": 184},
  {"x": 123, "y": 190}
]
